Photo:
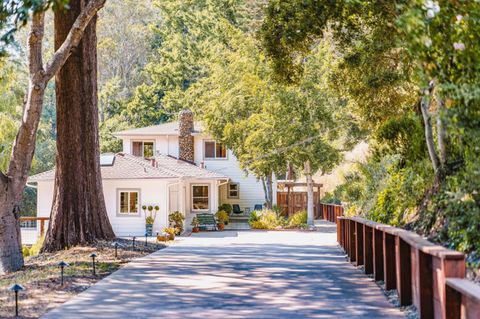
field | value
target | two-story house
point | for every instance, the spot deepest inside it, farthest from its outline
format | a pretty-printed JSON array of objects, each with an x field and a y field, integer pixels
[{"x": 175, "y": 166}]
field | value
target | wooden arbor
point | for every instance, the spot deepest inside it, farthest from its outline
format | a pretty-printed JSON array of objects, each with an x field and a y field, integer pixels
[{"x": 291, "y": 201}]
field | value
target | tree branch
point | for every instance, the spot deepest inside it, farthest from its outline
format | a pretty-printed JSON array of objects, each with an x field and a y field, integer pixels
[
  {"x": 73, "y": 38},
  {"x": 441, "y": 134},
  {"x": 35, "y": 39},
  {"x": 424, "y": 106}
]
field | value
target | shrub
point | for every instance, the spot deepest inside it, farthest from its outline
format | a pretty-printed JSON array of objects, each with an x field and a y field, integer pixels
[
  {"x": 194, "y": 222},
  {"x": 298, "y": 220},
  {"x": 149, "y": 220},
  {"x": 226, "y": 208},
  {"x": 176, "y": 219},
  {"x": 34, "y": 249},
  {"x": 266, "y": 219},
  {"x": 222, "y": 216}
]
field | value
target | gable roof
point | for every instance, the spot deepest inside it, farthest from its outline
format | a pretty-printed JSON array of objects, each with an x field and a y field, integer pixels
[
  {"x": 170, "y": 128},
  {"x": 126, "y": 166}
]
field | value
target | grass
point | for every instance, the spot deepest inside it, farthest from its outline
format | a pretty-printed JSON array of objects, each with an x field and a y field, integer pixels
[{"x": 41, "y": 275}]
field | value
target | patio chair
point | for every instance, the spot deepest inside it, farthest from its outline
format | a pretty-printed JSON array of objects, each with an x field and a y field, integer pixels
[
  {"x": 236, "y": 209},
  {"x": 258, "y": 207}
]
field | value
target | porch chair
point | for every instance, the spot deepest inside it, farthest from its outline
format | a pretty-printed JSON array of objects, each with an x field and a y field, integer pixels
[
  {"x": 258, "y": 207},
  {"x": 236, "y": 209}
]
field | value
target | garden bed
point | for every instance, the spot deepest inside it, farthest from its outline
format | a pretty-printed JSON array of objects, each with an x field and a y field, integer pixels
[{"x": 41, "y": 275}]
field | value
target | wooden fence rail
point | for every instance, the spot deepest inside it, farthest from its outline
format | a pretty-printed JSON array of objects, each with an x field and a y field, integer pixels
[
  {"x": 424, "y": 274},
  {"x": 330, "y": 212},
  {"x": 42, "y": 221}
]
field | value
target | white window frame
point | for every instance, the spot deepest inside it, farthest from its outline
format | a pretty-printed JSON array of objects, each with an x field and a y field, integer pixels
[
  {"x": 143, "y": 146},
  {"x": 214, "y": 158},
  {"x": 191, "y": 198},
  {"x": 237, "y": 190},
  {"x": 128, "y": 190}
]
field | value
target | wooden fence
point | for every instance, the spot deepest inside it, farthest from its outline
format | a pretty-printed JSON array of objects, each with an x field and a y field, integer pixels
[
  {"x": 424, "y": 274},
  {"x": 329, "y": 212},
  {"x": 292, "y": 202},
  {"x": 32, "y": 228}
]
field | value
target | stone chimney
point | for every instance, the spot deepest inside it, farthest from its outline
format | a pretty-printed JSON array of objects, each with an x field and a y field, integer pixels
[{"x": 185, "y": 138}]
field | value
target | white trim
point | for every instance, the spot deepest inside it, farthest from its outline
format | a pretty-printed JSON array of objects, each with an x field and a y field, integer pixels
[
  {"x": 129, "y": 190},
  {"x": 143, "y": 145},
  {"x": 208, "y": 197},
  {"x": 215, "y": 150}
]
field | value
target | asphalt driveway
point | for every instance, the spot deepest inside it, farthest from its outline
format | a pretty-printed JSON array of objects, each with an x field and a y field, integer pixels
[{"x": 246, "y": 274}]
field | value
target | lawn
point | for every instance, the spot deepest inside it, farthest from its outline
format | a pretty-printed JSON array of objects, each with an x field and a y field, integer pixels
[{"x": 41, "y": 275}]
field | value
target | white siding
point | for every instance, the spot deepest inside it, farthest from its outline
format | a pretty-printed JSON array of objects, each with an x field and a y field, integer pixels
[
  {"x": 152, "y": 192},
  {"x": 251, "y": 190}
]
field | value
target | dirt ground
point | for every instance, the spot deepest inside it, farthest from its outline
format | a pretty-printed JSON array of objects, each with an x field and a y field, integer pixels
[{"x": 41, "y": 276}]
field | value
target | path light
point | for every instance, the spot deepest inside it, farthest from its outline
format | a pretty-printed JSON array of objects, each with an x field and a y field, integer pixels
[
  {"x": 62, "y": 265},
  {"x": 93, "y": 255},
  {"x": 133, "y": 244},
  {"x": 146, "y": 238},
  {"x": 116, "y": 244},
  {"x": 16, "y": 288}
]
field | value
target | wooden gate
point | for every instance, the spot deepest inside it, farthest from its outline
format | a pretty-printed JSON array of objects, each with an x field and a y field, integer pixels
[{"x": 292, "y": 202}]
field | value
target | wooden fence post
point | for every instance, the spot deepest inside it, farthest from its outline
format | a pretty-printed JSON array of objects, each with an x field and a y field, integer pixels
[
  {"x": 389, "y": 261},
  {"x": 404, "y": 271},
  {"x": 368, "y": 249},
  {"x": 359, "y": 243},
  {"x": 377, "y": 254}
]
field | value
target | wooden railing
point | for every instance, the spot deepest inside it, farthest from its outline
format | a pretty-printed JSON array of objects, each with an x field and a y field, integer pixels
[
  {"x": 330, "y": 212},
  {"x": 424, "y": 274},
  {"x": 42, "y": 221}
]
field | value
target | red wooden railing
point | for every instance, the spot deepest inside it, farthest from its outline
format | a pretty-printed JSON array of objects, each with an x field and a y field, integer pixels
[
  {"x": 330, "y": 212},
  {"x": 424, "y": 274}
]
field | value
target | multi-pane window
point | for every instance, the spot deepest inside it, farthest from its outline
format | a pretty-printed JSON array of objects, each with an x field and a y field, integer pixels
[
  {"x": 128, "y": 202},
  {"x": 200, "y": 197},
  {"x": 233, "y": 190},
  {"x": 214, "y": 150},
  {"x": 143, "y": 148}
]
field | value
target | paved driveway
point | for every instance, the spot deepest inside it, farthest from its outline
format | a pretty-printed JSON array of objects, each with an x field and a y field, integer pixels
[{"x": 249, "y": 274}]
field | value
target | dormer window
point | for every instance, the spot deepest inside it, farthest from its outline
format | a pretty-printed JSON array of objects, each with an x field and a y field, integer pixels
[
  {"x": 214, "y": 150},
  {"x": 143, "y": 148}
]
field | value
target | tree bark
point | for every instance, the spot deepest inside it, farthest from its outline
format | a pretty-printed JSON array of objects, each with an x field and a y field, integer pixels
[
  {"x": 267, "y": 189},
  {"x": 441, "y": 134},
  {"x": 79, "y": 214},
  {"x": 310, "y": 205},
  {"x": 13, "y": 183}
]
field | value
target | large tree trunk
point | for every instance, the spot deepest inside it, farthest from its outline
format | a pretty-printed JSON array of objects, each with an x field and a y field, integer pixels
[
  {"x": 13, "y": 183},
  {"x": 310, "y": 205},
  {"x": 268, "y": 190},
  {"x": 79, "y": 215}
]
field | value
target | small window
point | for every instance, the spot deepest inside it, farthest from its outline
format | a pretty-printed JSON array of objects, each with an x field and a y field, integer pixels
[
  {"x": 200, "y": 197},
  {"x": 128, "y": 202},
  {"x": 233, "y": 190},
  {"x": 143, "y": 148},
  {"x": 214, "y": 150}
]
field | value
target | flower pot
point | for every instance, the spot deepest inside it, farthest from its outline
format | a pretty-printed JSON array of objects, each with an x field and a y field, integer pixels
[
  {"x": 195, "y": 230},
  {"x": 220, "y": 226},
  {"x": 171, "y": 236},
  {"x": 149, "y": 229},
  {"x": 163, "y": 238}
]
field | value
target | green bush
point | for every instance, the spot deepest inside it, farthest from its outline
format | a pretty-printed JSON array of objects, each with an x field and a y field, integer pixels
[
  {"x": 298, "y": 220},
  {"x": 34, "y": 249},
  {"x": 266, "y": 219},
  {"x": 226, "y": 208}
]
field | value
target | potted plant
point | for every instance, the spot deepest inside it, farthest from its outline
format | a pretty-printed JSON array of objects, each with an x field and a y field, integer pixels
[
  {"x": 176, "y": 221},
  {"x": 170, "y": 232},
  {"x": 222, "y": 217},
  {"x": 194, "y": 224},
  {"x": 149, "y": 218}
]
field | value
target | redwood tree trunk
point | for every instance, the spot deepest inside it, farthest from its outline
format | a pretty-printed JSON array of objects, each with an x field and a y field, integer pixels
[{"x": 79, "y": 215}]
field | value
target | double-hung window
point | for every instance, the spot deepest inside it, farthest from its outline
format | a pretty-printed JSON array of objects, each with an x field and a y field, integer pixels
[
  {"x": 233, "y": 190},
  {"x": 214, "y": 150},
  {"x": 143, "y": 148},
  {"x": 200, "y": 200},
  {"x": 128, "y": 202}
]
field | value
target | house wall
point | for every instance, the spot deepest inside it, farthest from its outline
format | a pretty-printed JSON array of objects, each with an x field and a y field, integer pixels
[
  {"x": 152, "y": 192},
  {"x": 251, "y": 190}
]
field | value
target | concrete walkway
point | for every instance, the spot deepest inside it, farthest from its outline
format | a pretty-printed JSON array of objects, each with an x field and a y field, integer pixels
[{"x": 246, "y": 274}]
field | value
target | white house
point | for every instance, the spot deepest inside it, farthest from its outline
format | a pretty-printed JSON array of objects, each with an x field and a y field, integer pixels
[{"x": 176, "y": 166}]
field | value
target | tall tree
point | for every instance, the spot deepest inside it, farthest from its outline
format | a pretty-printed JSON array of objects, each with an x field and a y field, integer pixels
[
  {"x": 13, "y": 182},
  {"x": 79, "y": 214}
]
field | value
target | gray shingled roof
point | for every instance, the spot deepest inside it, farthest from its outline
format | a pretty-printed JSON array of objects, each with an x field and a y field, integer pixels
[
  {"x": 126, "y": 166},
  {"x": 170, "y": 128}
]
